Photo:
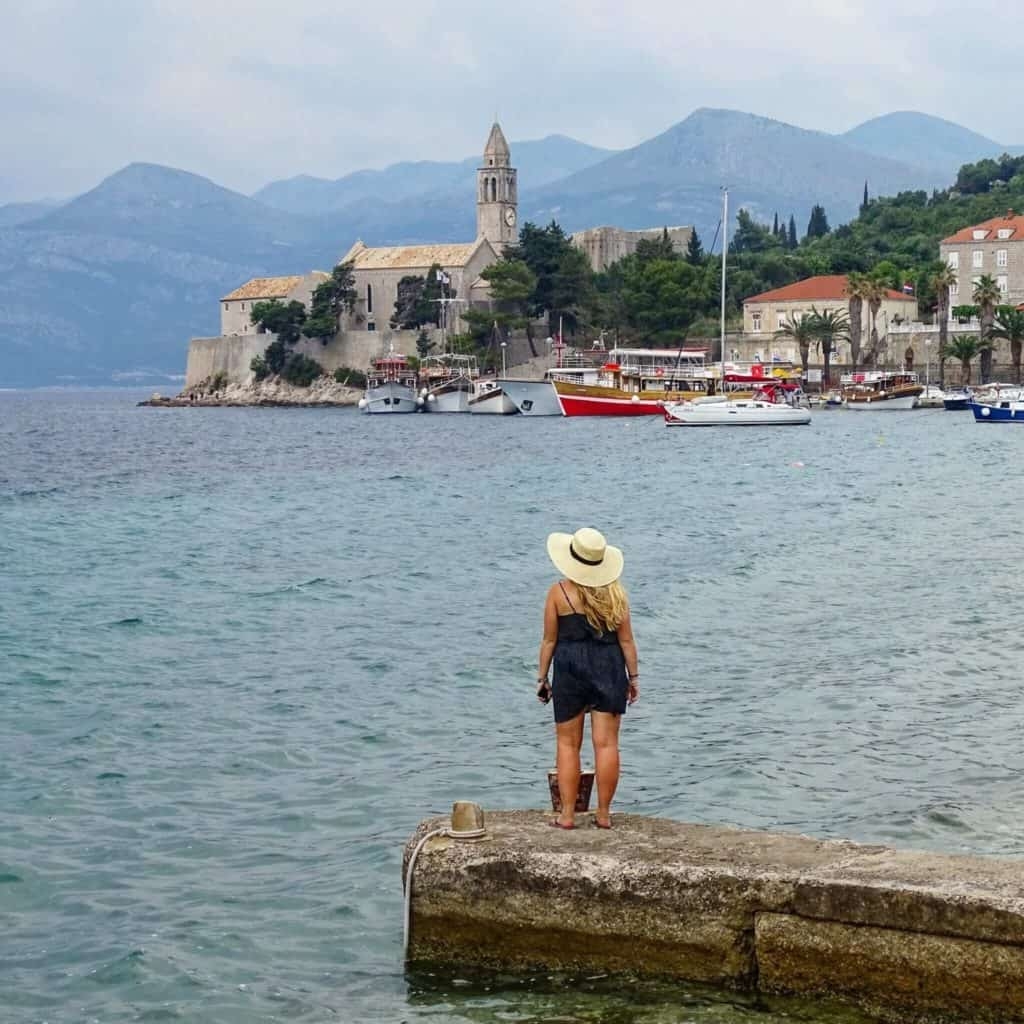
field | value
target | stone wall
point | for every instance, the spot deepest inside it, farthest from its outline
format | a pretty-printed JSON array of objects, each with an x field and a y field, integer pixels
[
  {"x": 232, "y": 354},
  {"x": 905, "y": 936}
]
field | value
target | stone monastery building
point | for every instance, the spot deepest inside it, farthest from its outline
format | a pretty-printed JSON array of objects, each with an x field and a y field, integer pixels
[{"x": 378, "y": 270}]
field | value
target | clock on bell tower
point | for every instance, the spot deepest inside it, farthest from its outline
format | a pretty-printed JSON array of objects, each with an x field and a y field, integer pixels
[{"x": 496, "y": 193}]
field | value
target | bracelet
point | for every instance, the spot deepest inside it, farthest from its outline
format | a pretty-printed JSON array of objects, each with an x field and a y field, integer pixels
[
  {"x": 542, "y": 679},
  {"x": 634, "y": 676}
]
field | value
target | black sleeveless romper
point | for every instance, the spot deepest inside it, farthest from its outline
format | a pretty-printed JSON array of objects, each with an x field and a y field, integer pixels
[{"x": 589, "y": 669}]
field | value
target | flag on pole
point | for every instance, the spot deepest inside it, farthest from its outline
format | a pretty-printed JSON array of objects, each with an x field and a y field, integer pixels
[
  {"x": 443, "y": 278},
  {"x": 908, "y": 288}
]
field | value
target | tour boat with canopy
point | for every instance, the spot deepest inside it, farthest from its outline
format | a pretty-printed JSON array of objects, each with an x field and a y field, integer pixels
[
  {"x": 881, "y": 389},
  {"x": 447, "y": 382},
  {"x": 390, "y": 386},
  {"x": 636, "y": 382}
]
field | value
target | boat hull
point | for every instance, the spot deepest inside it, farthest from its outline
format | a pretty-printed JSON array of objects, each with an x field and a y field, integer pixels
[
  {"x": 532, "y": 397},
  {"x": 735, "y": 414},
  {"x": 1011, "y": 412},
  {"x": 452, "y": 397},
  {"x": 492, "y": 403},
  {"x": 391, "y": 397},
  {"x": 895, "y": 403},
  {"x": 600, "y": 400},
  {"x": 956, "y": 404}
]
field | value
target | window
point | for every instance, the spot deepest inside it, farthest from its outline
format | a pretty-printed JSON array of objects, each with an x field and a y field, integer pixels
[
  {"x": 1001, "y": 258},
  {"x": 977, "y": 258},
  {"x": 979, "y": 234},
  {"x": 369, "y": 301},
  {"x": 755, "y": 322},
  {"x": 1001, "y": 281},
  {"x": 954, "y": 289},
  {"x": 953, "y": 260},
  {"x": 242, "y": 307},
  {"x": 1004, "y": 233},
  {"x": 780, "y": 319},
  {"x": 227, "y": 306},
  {"x": 370, "y": 325}
]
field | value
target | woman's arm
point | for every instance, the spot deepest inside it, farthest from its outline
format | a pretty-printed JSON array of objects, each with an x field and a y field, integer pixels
[
  {"x": 550, "y": 637},
  {"x": 628, "y": 645}
]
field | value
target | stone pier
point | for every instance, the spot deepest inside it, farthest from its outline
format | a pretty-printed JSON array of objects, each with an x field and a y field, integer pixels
[{"x": 904, "y": 936}]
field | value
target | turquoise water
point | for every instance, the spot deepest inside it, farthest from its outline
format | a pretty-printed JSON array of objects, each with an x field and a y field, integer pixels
[{"x": 244, "y": 652}]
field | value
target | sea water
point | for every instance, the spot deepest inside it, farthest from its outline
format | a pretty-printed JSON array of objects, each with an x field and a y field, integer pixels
[{"x": 243, "y": 652}]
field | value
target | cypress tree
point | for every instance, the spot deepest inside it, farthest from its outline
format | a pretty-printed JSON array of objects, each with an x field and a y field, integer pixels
[
  {"x": 791, "y": 240},
  {"x": 864, "y": 205},
  {"x": 694, "y": 249},
  {"x": 817, "y": 225},
  {"x": 775, "y": 225}
]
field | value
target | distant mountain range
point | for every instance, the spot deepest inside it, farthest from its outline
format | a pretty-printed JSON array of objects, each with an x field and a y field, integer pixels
[{"x": 110, "y": 286}]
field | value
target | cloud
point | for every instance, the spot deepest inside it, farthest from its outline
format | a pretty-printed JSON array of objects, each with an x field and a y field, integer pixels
[{"x": 245, "y": 92}]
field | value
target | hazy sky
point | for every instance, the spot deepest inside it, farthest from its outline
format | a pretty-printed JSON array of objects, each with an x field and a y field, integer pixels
[{"x": 248, "y": 92}]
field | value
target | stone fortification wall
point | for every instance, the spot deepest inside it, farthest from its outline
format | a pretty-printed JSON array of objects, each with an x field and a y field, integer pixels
[
  {"x": 905, "y": 936},
  {"x": 232, "y": 354}
]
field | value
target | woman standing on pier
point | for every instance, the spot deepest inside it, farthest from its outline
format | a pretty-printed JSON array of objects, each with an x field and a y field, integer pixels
[{"x": 589, "y": 638}]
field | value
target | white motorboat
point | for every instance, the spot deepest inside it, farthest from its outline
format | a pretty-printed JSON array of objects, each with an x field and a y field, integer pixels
[
  {"x": 531, "y": 397},
  {"x": 933, "y": 397},
  {"x": 490, "y": 400}
]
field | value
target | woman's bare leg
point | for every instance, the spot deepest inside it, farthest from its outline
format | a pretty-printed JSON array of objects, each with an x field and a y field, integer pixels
[
  {"x": 569, "y": 739},
  {"x": 604, "y": 728}
]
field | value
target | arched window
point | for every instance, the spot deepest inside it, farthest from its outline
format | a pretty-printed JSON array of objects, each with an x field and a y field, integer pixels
[
  {"x": 494, "y": 190},
  {"x": 369, "y": 298}
]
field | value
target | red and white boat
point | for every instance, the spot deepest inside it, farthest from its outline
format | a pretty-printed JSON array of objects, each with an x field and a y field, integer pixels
[{"x": 637, "y": 382}]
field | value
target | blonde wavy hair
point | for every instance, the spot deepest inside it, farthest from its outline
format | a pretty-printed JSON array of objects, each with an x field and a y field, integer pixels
[{"x": 605, "y": 607}]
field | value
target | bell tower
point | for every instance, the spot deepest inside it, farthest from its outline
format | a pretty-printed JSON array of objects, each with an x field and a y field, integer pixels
[{"x": 497, "y": 195}]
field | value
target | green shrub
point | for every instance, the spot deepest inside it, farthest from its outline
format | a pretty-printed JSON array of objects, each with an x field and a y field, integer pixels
[
  {"x": 349, "y": 377},
  {"x": 259, "y": 367},
  {"x": 302, "y": 371},
  {"x": 218, "y": 381}
]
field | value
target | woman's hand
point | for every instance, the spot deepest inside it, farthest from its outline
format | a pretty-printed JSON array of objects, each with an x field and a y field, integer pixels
[
  {"x": 543, "y": 691},
  {"x": 634, "y": 691}
]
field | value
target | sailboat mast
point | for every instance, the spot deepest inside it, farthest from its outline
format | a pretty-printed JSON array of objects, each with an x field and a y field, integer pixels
[{"x": 725, "y": 246}]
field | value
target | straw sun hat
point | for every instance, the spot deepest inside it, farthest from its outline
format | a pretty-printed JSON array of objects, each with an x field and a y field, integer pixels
[{"x": 585, "y": 557}]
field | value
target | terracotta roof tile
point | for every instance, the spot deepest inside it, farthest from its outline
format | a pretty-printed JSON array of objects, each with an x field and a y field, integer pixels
[
  {"x": 825, "y": 287},
  {"x": 1012, "y": 222},
  {"x": 264, "y": 288},
  {"x": 410, "y": 257}
]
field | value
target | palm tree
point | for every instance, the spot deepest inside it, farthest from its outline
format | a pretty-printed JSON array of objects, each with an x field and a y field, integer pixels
[
  {"x": 856, "y": 290},
  {"x": 943, "y": 280},
  {"x": 965, "y": 347},
  {"x": 802, "y": 330},
  {"x": 874, "y": 292},
  {"x": 830, "y": 327},
  {"x": 1010, "y": 326},
  {"x": 987, "y": 295}
]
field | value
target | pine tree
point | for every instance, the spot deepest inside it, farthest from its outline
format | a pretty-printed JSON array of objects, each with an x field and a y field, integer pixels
[
  {"x": 694, "y": 249},
  {"x": 791, "y": 242},
  {"x": 817, "y": 226}
]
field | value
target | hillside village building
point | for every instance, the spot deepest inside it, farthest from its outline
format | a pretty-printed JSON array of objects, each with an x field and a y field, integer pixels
[
  {"x": 994, "y": 247},
  {"x": 378, "y": 270},
  {"x": 236, "y": 306},
  {"x": 607, "y": 245},
  {"x": 766, "y": 313}
]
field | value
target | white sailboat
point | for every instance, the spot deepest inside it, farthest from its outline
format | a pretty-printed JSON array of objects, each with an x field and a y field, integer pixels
[
  {"x": 767, "y": 408},
  {"x": 489, "y": 397}
]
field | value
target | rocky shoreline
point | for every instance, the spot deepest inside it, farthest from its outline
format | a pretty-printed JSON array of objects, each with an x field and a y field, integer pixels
[{"x": 324, "y": 391}]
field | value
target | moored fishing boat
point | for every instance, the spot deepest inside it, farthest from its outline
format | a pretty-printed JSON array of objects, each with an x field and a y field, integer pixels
[
  {"x": 448, "y": 382},
  {"x": 881, "y": 390},
  {"x": 1005, "y": 410},
  {"x": 534, "y": 397},
  {"x": 489, "y": 399},
  {"x": 933, "y": 397},
  {"x": 636, "y": 382},
  {"x": 390, "y": 386}
]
